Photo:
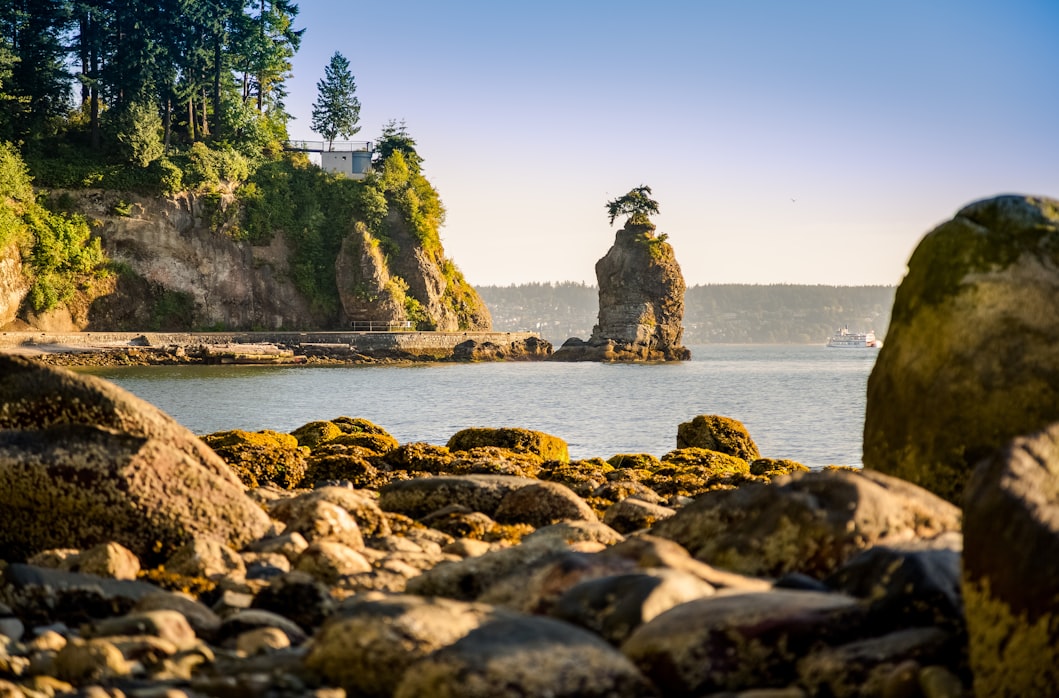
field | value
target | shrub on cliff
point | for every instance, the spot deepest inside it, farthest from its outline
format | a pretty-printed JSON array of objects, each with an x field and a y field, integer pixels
[{"x": 59, "y": 249}]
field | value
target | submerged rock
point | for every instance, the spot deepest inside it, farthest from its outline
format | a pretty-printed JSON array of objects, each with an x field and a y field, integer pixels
[{"x": 970, "y": 358}]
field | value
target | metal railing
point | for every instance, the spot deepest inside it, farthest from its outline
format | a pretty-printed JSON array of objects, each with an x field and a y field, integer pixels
[
  {"x": 322, "y": 146},
  {"x": 381, "y": 326}
]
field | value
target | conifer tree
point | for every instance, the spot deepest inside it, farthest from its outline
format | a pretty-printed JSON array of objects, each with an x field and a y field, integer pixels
[{"x": 336, "y": 110}]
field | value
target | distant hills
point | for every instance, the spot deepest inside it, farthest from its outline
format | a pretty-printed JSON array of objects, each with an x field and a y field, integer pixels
[{"x": 713, "y": 313}]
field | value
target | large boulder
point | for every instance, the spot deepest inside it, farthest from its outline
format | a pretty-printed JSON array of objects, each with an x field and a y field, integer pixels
[
  {"x": 970, "y": 359},
  {"x": 83, "y": 462},
  {"x": 1011, "y": 568},
  {"x": 641, "y": 302},
  {"x": 809, "y": 523}
]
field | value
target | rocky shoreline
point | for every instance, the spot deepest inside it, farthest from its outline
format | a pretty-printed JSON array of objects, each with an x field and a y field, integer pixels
[
  {"x": 111, "y": 349},
  {"x": 140, "y": 560}
]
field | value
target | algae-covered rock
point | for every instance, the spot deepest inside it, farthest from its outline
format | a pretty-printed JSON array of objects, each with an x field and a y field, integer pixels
[
  {"x": 717, "y": 433},
  {"x": 78, "y": 486},
  {"x": 542, "y": 504},
  {"x": 691, "y": 471},
  {"x": 336, "y": 463},
  {"x": 492, "y": 460},
  {"x": 315, "y": 433},
  {"x": 775, "y": 467},
  {"x": 1011, "y": 568},
  {"x": 806, "y": 522},
  {"x": 546, "y": 446},
  {"x": 634, "y": 461},
  {"x": 34, "y": 396},
  {"x": 419, "y": 497},
  {"x": 420, "y": 457},
  {"x": 261, "y": 457},
  {"x": 970, "y": 358}
]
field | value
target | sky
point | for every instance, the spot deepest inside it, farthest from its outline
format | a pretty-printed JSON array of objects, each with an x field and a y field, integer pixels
[{"x": 804, "y": 142}]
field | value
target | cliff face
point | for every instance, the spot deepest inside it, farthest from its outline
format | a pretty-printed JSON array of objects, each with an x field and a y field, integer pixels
[
  {"x": 178, "y": 268},
  {"x": 411, "y": 283},
  {"x": 641, "y": 302}
]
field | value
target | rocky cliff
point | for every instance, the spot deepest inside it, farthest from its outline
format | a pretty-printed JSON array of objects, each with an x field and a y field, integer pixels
[
  {"x": 180, "y": 263},
  {"x": 641, "y": 302}
]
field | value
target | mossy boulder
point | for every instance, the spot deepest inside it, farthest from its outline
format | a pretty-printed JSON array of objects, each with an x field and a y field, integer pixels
[
  {"x": 83, "y": 462},
  {"x": 582, "y": 476},
  {"x": 420, "y": 457},
  {"x": 717, "y": 433},
  {"x": 775, "y": 467},
  {"x": 546, "y": 446},
  {"x": 492, "y": 460},
  {"x": 634, "y": 461},
  {"x": 316, "y": 433},
  {"x": 336, "y": 462},
  {"x": 377, "y": 443},
  {"x": 261, "y": 457},
  {"x": 970, "y": 358},
  {"x": 1011, "y": 568}
]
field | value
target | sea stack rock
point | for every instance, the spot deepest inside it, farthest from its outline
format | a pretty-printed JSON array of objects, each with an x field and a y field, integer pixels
[
  {"x": 641, "y": 296},
  {"x": 971, "y": 358}
]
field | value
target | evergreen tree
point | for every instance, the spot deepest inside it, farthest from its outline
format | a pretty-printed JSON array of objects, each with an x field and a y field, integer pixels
[
  {"x": 34, "y": 32},
  {"x": 336, "y": 110}
]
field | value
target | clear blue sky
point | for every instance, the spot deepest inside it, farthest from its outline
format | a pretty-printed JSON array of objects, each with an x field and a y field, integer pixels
[{"x": 786, "y": 141}]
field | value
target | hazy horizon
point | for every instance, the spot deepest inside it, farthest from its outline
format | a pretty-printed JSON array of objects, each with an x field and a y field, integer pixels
[{"x": 809, "y": 142}]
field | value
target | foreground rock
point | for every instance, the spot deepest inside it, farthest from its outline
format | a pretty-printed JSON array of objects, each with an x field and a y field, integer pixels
[
  {"x": 641, "y": 302},
  {"x": 970, "y": 360},
  {"x": 83, "y": 462},
  {"x": 1011, "y": 568},
  {"x": 477, "y": 570},
  {"x": 808, "y": 523}
]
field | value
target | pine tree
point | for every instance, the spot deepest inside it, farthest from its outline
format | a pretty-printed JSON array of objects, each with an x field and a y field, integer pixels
[{"x": 336, "y": 110}]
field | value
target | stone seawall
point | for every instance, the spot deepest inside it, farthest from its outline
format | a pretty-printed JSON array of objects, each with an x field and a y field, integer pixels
[{"x": 426, "y": 345}]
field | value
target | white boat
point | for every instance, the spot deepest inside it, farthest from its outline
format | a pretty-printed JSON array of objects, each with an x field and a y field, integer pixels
[{"x": 844, "y": 339}]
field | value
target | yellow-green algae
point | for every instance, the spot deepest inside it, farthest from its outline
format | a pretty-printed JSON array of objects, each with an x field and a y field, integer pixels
[
  {"x": 263, "y": 457},
  {"x": 1009, "y": 654},
  {"x": 546, "y": 446},
  {"x": 718, "y": 433}
]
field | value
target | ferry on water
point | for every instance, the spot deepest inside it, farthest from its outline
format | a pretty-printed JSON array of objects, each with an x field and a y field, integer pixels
[{"x": 844, "y": 339}]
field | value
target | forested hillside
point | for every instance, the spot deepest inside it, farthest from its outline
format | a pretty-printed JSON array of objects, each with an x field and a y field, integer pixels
[{"x": 713, "y": 313}]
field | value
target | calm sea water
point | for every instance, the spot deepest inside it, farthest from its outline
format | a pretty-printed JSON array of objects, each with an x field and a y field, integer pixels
[{"x": 800, "y": 402}]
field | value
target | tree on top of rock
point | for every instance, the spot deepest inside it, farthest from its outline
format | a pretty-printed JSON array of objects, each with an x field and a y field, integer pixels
[
  {"x": 336, "y": 110},
  {"x": 637, "y": 204}
]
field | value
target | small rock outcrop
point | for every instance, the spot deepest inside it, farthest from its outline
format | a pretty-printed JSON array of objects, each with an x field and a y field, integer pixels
[
  {"x": 969, "y": 361},
  {"x": 641, "y": 302},
  {"x": 1011, "y": 568}
]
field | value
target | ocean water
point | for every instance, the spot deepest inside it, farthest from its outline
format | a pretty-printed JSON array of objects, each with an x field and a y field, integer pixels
[{"x": 800, "y": 402}]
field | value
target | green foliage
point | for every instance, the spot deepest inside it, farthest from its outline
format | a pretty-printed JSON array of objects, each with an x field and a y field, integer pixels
[
  {"x": 139, "y": 132},
  {"x": 208, "y": 167},
  {"x": 409, "y": 191},
  {"x": 396, "y": 139},
  {"x": 170, "y": 177},
  {"x": 15, "y": 182},
  {"x": 122, "y": 208},
  {"x": 172, "y": 310},
  {"x": 62, "y": 251},
  {"x": 637, "y": 204},
  {"x": 336, "y": 110}
]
